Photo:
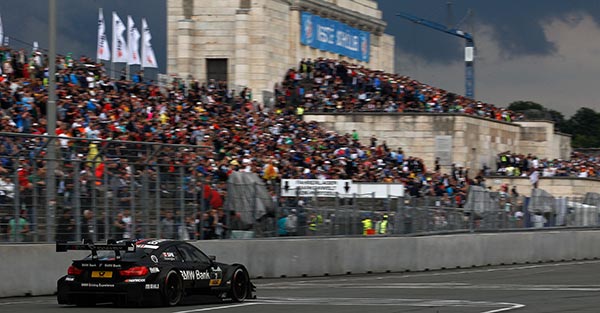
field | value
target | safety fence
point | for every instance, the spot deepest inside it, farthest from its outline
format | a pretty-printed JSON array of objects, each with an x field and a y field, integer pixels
[{"x": 103, "y": 189}]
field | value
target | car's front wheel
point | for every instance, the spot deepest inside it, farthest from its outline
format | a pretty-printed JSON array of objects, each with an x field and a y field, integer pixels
[
  {"x": 240, "y": 285},
  {"x": 173, "y": 289}
]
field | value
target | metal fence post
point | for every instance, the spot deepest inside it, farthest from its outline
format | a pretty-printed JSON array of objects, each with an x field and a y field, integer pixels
[
  {"x": 181, "y": 229},
  {"x": 134, "y": 232},
  {"x": 355, "y": 215},
  {"x": 202, "y": 209},
  {"x": 16, "y": 206},
  {"x": 107, "y": 210},
  {"x": 158, "y": 192},
  {"x": 34, "y": 218},
  {"x": 77, "y": 199},
  {"x": 145, "y": 202}
]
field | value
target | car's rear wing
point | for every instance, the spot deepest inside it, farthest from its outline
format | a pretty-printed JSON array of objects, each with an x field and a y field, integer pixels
[{"x": 110, "y": 245}]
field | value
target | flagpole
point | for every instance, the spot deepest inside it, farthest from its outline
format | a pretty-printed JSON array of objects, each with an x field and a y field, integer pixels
[{"x": 128, "y": 49}]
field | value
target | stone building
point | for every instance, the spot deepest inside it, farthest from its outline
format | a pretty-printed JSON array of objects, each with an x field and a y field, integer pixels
[{"x": 251, "y": 43}]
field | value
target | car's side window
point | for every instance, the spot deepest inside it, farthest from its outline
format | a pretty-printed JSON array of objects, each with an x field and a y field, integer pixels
[
  {"x": 191, "y": 254},
  {"x": 170, "y": 254}
]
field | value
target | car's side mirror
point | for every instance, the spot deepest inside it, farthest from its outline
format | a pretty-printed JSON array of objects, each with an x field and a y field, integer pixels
[{"x": 212, "y": 257}]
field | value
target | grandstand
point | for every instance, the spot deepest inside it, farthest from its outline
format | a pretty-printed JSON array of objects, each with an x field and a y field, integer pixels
[{"x": 125, "y": 144}]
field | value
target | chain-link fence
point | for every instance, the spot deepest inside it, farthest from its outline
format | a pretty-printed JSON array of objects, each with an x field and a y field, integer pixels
[
  {"x": 102, "y": 189},
  {"x": 121, "y": 189}
]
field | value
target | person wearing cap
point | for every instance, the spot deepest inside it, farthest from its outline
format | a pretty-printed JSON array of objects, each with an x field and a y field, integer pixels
[
  {"x": 382, "y": 225},
  {"x": 291, "y": 224}
]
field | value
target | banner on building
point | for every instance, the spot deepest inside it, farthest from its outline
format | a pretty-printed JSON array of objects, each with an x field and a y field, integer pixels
[{"x": 333, "y": 36}]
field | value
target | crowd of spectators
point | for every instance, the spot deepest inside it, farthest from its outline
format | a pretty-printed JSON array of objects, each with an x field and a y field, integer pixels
[
  {"x": 326, "y": 85},
  {"x": 225, "y": 129},
  {"x": 578, "y": 165}
]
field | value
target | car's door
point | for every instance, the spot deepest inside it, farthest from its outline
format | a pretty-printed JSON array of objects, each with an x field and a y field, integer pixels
[
  {"x": 206, "y": 275},
  {"x": 171, "y": 257}
]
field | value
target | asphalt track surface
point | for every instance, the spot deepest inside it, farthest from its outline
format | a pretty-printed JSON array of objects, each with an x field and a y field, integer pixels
[{"x": 548, "y": 287}]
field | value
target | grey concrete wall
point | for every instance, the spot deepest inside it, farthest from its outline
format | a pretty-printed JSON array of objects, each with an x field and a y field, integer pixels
[
  {"x": 34, "y": 269},
  {"x": 557, "y": 186},
  {"x": 475, "y": 141}
]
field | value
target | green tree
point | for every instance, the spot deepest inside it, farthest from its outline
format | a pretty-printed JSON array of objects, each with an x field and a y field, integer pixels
[
  {"x": 584, "y": 126},
  {"x": 520, "y": 106}
]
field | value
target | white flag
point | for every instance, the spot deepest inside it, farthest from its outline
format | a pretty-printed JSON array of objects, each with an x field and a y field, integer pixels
[
  {"x": 103, "y": 52},
  {"x": 148, "y": 59},
  {"x": 36, "y": 47},
  {"x": 119, "y": 45},
  {"x": 1, "y": 32},
  {"x": 133, "y": 39}
]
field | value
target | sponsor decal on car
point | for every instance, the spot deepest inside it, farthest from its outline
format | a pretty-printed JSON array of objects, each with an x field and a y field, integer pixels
[
  {"x": 154, "y": 270},
  {"x": 101, "y": 265},
  {"x": 152, "y": 286},
  {"x": 154, "y": 258},
  {"x": 70, "y": 279},
  {"x": 214, "y": 282},
  {"x": 195, "y": 275},
  {"x": 135, "y": 280},
  {"x": 144, "y": 246},
  {"x": 95, "y": 285}
]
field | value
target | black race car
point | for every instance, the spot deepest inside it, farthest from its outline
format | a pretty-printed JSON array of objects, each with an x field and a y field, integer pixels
[{"x": 148, "y": 272}]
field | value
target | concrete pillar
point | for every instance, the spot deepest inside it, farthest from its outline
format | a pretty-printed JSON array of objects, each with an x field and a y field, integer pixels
[
  {"x": 294, "y": 29},
  {"x": 185, "y": 30},
  {"x": 241, "y": 68}
]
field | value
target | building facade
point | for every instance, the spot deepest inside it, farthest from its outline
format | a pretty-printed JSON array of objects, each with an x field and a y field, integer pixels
[
  {"x": 252, "y": 43},
  {"x": 467, "y": 140}
]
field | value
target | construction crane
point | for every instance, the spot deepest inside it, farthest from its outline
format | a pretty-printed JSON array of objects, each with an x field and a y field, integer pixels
[{"x": 469, "y": 48}]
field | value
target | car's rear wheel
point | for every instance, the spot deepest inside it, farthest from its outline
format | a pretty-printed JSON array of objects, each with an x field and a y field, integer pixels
[
  {"x": 240, "y": 285},
  {"x": 173, "y": 290}
]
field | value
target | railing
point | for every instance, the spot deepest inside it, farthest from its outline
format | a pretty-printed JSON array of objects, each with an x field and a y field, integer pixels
[{"x": 120, "y": 189}]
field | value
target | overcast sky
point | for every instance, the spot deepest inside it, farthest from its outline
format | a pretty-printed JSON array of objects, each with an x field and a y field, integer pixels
[{"x": 539, "y": 50}]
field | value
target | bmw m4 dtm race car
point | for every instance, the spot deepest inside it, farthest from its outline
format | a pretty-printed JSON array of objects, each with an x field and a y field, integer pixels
[{"x": 148, "y": 272}]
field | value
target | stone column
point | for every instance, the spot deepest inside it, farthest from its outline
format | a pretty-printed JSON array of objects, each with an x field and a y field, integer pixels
[
  {"x": 241, "y": 69},
  {"x": 294, "y": 44},
  {"x": 185, "y": 32}
]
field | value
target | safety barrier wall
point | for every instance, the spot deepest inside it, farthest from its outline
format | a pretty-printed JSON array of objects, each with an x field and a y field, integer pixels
[{"x": 34, "y": 269}]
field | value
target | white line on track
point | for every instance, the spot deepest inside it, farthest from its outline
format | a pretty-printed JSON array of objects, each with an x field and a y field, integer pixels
[
  {"x": 27, "y": 302},
  {"x": 218, "y": 307},
  {"x": 332, "y": 279},
  {"x": 497, "y": 306}
]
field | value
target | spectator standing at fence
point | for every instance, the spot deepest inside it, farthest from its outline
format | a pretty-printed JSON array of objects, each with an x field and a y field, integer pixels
[
  {"x": 382, "y": 225},
  {"x": 538, "y": 220},
  {"x": 235, "y": 221},
  {"x": 4, "y": 221},
  {"x": 367, "y": 223},
  {"x": 19, "y": 229},
  {"x": 119, "y": 227},
  {"x": 128, "y": 221},
  {"x": 65, "y": 228},
  {"x": 291, "y": 224},
  {"x": 88, "y": 227},
  {"x": 281, "y": 226},
  {"x": 167, "y": 226}
]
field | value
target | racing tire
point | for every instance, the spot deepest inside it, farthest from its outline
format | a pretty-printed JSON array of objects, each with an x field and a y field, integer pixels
[
  {"x": 240, "y": 285},
  {"x": 173, "y": 290}
]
